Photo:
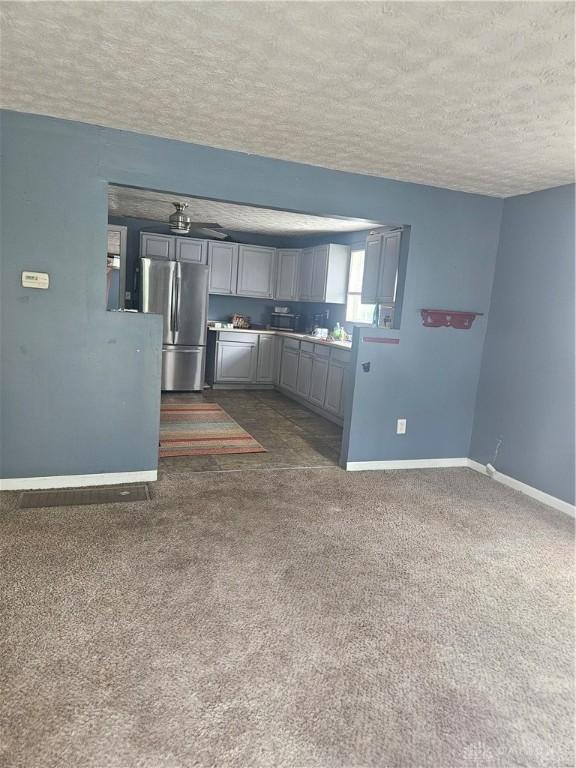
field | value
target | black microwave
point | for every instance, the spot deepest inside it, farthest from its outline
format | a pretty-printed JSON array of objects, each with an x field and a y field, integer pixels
[{"x": 282, "y": 321}]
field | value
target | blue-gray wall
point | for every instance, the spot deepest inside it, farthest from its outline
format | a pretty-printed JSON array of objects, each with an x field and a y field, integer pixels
[
  {"x": 259, "y": 310},
  {"x": 430, "y": 377},
  {"x": 79, "y": 385},
  {"x": 63, "y": 385},
  {"x": 526, "y": 391}
]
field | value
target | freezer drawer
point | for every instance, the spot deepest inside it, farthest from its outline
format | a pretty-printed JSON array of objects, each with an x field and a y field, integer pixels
[{"x": 183, "y": 368}]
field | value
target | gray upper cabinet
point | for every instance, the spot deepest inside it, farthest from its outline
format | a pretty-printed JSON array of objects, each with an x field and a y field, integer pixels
[
  {"x": 381, "y": 268},
  {"x": 319, "y": 273},
  {"x": 256, "y": 271},
  {"x": 305, "y": 284},
  {"x": 389, "y": 268},
  {"x": 223, "y": 263},
  {"x": 191, "y": 249},
  {"x": 156, "y": 246},
  {"x": 324, "y": 273},
  {"x": 337, "y": 273},
  {"x": 371, "y": 269},
  {"x": 287, "y": 274}
]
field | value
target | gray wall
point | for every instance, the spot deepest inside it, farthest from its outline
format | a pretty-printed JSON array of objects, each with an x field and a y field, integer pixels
[
  {"x": 526, "y": 391},
  {"x": 63, "y": 401}
]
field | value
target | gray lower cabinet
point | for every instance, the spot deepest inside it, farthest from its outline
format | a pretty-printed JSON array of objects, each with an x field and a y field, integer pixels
[
  {"x": 223, "y": 263},
  {"x": 334, "y": 388},
  {"x": 242, "y": 358},
  {"x": 266, "y": 372},
  {"x": 318, "y": 380},
  {"x": 256, "y": 271},
  {"x": 289, "y": 367},
  {"x": 304, "y": 379},
  {"x": 236, "y": 362},
  {"x": 315, "y": 373}
]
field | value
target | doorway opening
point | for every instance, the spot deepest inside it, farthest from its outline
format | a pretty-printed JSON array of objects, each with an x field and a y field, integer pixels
[{"x": 258, "y": 308}]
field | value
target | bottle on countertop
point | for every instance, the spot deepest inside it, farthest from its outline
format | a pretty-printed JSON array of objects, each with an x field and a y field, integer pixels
[{"x": 337, "y": 332}]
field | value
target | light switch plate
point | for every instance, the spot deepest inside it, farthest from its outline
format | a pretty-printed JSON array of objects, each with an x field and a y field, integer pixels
[
  {"x": 35, "y": 280},
  {"x": 401, "y": 427}
]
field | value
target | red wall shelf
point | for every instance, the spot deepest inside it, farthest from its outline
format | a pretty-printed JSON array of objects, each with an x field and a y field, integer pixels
[{"x": 449, "y": 318}]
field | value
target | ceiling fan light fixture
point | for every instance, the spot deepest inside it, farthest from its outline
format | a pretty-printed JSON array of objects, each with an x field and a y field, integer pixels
[{"x": 179, "y": 222}]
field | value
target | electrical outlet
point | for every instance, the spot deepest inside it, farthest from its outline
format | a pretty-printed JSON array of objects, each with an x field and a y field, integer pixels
[{"x": 401, "y": 427}]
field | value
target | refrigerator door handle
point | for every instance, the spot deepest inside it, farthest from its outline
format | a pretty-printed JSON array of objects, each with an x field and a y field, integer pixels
[
  {"x": 173, "y": 302},
  {"x": 177, "y": 296}
]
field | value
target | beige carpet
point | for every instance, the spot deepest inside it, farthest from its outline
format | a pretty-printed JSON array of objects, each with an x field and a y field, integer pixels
[{"x": 289, "y": 618}]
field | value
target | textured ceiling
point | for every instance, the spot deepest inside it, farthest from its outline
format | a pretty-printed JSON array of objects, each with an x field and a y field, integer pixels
[
  {"x": 145, "y": 204},
  {"x": 468, "y": 95}
]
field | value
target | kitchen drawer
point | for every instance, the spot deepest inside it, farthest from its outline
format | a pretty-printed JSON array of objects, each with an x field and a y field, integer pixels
[
  {"x": 320, "y": 350},
  {"x": 306, "y": 346},
  {"x": 291, "y": 344},
  {"x": 340, "y": 356},
  {"x": 247, "y": 338}
]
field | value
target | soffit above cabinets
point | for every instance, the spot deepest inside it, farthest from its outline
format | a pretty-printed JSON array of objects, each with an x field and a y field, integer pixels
[
  {"x": 148, "y": 204},
  {"x": 475, "y": 96}
]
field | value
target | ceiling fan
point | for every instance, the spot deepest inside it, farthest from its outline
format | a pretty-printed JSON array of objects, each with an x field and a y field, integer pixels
[{"x": 181, "y": 224}]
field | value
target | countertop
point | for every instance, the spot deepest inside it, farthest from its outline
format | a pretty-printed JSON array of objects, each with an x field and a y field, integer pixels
[{"x": 302, "y": 336}]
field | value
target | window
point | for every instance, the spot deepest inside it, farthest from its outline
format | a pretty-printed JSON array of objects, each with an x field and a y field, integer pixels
[
  {"x": 116, "y": 267},
  {"x": 356, "y": 312}
]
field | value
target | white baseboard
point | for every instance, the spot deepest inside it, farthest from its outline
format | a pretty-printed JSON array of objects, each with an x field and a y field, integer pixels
[
  {"x": 76, "y": 481},
  {"x": 356, "y": 466},
  {"x": 517, "y": 485},
  {"x": 477, "y": 466},
  {"x": 499, "y": 477}
]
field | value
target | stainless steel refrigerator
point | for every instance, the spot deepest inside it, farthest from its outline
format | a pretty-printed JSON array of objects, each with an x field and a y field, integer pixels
[{"x": 178, "y": 291}]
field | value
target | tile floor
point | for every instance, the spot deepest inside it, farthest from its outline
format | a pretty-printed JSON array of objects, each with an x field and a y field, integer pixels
[{"x": 292, "y": 435}]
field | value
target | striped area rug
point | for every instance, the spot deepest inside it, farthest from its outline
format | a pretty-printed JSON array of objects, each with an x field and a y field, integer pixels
[{"x": 201, "y": 429}]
